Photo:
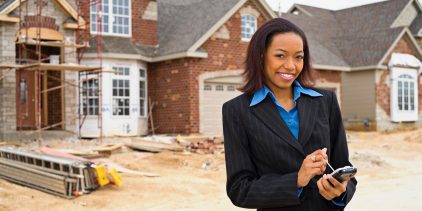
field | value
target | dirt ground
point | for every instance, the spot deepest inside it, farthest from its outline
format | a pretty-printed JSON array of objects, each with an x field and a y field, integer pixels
[{"x": 389, "y": 176}]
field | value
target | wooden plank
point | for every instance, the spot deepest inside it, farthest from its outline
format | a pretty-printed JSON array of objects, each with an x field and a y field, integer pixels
[
  {"x": 45, "y": 33},
  {"x": 45, "y": 97},
  {"x": 73, "y": 25},
  {"x": 153, "y": 146},
  {"x": 6, "y": 18},
  {"x": 109, "y": 149}
]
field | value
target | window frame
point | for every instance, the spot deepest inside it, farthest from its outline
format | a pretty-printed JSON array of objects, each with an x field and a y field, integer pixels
[
  {"x": 111, "y": 17},
  {"x": 400, "y": 95},
  {"x": 85, "y": 78},
  {"x": 121, "y": 77},
  {"x": 144, "y": 98},
  {"x": 242, "y": 25}
]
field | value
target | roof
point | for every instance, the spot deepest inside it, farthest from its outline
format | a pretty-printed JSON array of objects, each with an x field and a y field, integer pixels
[
  {"x": 6, "y": 4},
  {"x": 113, "y": 44},
  {"x": 416, "y": 25},
  {"x": 177, "y": 17},
  {"x": 354, "y": 37}
]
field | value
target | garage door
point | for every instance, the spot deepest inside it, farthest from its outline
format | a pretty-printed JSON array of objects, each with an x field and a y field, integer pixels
[{"x": 214, "y": 96}]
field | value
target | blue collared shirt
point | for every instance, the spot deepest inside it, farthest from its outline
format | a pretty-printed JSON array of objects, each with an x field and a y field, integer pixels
[{"x": 291, "y": 118}]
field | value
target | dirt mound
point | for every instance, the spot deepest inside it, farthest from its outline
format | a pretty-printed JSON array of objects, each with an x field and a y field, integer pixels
[
  {"x": 367, "y": 159},
  {"x": 415, "y": 137}
]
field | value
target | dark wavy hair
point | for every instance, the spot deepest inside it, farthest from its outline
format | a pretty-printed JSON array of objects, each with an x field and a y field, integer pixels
[{"x": 254, "y": 63}]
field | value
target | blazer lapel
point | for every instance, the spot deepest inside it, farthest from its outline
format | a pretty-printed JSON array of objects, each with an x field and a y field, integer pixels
[
  {"x": 307, "y": 115},
  {"x": 267, "y": 112}
]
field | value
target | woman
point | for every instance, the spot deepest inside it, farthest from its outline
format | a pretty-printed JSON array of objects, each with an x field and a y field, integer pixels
[{"x": 279, "y": 134}]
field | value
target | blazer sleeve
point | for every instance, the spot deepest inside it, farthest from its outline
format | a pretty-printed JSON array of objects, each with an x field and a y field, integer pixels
[
  {"x": 339, "y": 150},
  {"x": 245, "y": 187}
]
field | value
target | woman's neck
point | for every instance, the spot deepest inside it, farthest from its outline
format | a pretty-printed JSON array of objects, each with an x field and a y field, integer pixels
[{"x": 283, "y": 96}]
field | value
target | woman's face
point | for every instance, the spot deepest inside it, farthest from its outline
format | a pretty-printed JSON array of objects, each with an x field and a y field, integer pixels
[{"x": 283, "y": 60}]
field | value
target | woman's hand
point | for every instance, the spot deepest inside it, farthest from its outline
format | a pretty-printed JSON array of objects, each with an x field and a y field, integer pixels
[
  {"x": 313, "y": 164},
  {"x": 333, "y": 190}
]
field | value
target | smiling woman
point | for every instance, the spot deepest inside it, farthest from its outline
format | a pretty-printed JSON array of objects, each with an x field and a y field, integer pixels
[{"x": 280, "y": 133}]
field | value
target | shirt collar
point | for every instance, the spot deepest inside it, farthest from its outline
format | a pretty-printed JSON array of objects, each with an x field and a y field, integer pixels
[{"x": 298, "y": 89}]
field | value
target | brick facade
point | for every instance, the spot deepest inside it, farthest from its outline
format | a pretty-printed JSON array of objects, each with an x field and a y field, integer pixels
[
  {"x": 143, "y": 31},
  {"x": 173, "y": 85},
  {"x": 383, "y": 90}
]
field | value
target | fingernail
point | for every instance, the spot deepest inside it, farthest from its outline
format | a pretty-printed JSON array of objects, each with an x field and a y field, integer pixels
[
  {"x": 324, "y": 150},
  {"x": 324, "y": 176}
]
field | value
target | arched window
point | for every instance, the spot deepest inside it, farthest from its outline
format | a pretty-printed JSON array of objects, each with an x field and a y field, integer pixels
[
  {"x": 406, "y": 87},
  {"x": 404, "y": 94},
  {"x": 248, "y": 27}
]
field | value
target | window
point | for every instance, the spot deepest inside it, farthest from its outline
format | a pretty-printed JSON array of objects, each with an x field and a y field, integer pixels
[
  {"x": 248, "y": 26},
  {"x": 90, "y": 97},
  {"x": 231, "y": 88},
  {"x": 121, "y": 97},
  {"x": 219, "y": 88},
  {"x": 142, "y": 92},
  {"x": 121, "y": 71},
  {"x": 207, "y": 87},
  {"x": 121, "y": 91},
  {"x": 406, "y": 93},
  {"x": 115, "y": 17}
]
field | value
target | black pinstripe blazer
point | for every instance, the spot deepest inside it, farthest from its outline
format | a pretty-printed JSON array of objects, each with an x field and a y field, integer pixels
[{"x": 263, "y": 157}]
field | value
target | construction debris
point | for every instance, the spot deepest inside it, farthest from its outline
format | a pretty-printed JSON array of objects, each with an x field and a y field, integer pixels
[
  {"x": 150, "y": 146},
  {"x": 209, "y": 146},
  {"x": 109, "y": 149},
  {"x": 61, "y": 174}
]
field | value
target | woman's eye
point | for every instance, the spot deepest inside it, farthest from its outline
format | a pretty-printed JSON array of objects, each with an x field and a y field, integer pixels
[
  {"x": 300, "y": 57},
  {"x": 279, "y": 55}
]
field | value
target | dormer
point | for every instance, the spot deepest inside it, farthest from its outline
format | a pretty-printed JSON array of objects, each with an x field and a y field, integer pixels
[{"x": 407, "y": 15}]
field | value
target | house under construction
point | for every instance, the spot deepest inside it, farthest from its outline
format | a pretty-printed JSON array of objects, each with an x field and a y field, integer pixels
[{"x": 41, "y": 81}]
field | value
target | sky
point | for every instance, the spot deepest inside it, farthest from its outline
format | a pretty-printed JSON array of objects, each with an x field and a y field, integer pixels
[{"x": 327, "y": 4}]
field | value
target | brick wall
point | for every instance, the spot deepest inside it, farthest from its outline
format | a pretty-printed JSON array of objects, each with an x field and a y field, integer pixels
[
  {"x": 8, "y": 84},
  {"x": 403, "y": 46},
  {"x": 383, "y": 90},
  {"x": 54, "y": 99},
  {"x": 174, "y": 84},
  {"x": 143, "y": 31},
  {"x": 382, "y": 86},
  {"x": 327, "y": 76}
]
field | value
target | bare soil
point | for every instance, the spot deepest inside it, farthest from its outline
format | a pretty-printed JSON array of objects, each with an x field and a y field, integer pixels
[{"x": 389, "y": 178}]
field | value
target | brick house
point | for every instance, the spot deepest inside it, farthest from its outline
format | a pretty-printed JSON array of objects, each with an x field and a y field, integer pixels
[
  {"x": 371, "y": 56},
  {"x": 191, "y": 53},
  {"x": 18, "y": 98},
  {"x": 184, "y": 55},
  {"x": 187, "y": 56}
]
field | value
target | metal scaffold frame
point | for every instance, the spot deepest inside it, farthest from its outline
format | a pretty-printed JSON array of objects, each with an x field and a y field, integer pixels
[{"x": 41, "y": 68}]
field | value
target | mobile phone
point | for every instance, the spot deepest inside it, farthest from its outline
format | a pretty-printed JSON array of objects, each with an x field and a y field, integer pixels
[{"x": 344, "y": 173}]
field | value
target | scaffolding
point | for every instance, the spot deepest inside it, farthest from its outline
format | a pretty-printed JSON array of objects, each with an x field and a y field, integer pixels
[{"x": 33, "y": 35}]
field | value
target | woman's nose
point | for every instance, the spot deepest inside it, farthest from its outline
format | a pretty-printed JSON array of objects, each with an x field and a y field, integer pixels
[{"x": 289, "y": 65}]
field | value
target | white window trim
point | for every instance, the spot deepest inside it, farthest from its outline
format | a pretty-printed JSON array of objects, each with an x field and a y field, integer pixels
[
  {"x": 110, "y": 22},
  {"x": 144, "y": 79},
  {"x": 121, "y": 77},
  {"x": 84, "y": 78},
  {"x": 403, "y": 115},
  {"x": 256, "y": 27}
]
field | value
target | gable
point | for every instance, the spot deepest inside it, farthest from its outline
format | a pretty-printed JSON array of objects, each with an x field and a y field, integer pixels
[
  {"x": 407, "y": 16},
  {"x": 12, "y": 5},
  {"x": 405, "y": 45}
]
